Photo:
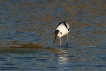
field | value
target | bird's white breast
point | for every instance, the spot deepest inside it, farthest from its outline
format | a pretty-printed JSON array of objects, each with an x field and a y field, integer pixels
[{"x": 63, "y": 30}]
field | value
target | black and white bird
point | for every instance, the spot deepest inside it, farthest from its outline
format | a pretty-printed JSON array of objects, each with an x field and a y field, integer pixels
[{"x": 61, "y": 30}]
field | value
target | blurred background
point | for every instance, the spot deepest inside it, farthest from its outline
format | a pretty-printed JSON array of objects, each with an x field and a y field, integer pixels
[
  {"x": 31, "y": 24},
  {"x": 34, "y": 21}
]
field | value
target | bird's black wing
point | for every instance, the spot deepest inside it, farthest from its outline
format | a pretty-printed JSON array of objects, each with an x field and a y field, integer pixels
[
  {"x": 64, "y": 24},
  {"x": 59, "y": 24}
]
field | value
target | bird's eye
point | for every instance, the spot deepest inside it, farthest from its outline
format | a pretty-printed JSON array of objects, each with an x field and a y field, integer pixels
[{"x": 61, "y": 32}]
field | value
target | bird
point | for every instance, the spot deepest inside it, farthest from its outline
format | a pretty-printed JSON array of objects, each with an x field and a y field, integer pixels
[{"x": 61, "y": 30}]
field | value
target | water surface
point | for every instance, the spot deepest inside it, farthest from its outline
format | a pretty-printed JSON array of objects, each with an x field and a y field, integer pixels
[{"x": 27, "y": 33}]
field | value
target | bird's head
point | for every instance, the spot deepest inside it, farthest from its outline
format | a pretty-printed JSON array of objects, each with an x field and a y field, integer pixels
[{"x": 56, "y": 33}]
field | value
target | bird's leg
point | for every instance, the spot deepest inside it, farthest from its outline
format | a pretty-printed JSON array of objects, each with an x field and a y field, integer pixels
[
  {"x": 67, "y": 40},
  {"x": 60, "y": 41}
]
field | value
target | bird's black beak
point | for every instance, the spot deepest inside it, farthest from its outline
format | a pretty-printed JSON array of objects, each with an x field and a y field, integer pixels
[
  {"x": 56, "y": 32},
  {"x": 55, "y": 38}
]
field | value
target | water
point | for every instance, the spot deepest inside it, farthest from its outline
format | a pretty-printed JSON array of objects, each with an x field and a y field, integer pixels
[
  {"x": 27, "y": 33},
  {"x": 65, "y": 59}
]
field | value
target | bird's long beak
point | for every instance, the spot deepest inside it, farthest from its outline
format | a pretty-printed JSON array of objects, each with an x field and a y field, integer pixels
[{"x": 55, "y": 38}]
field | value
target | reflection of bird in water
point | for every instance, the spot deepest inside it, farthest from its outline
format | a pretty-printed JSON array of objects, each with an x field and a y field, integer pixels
[
  {"x": 62, "y": 56},
  {"x": 61, "y": 30}
]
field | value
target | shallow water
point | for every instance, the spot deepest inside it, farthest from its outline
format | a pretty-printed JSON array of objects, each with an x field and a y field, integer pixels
[
  {"x": 25, "y": 23},
  {"x": 65, "y": 59}
]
